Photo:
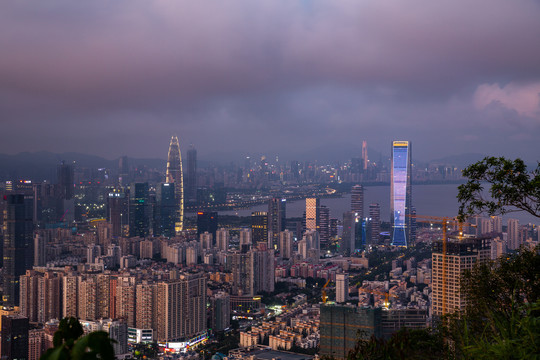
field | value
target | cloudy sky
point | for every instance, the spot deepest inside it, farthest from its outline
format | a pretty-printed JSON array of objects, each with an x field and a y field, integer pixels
[{"x": 293, "y": 78}]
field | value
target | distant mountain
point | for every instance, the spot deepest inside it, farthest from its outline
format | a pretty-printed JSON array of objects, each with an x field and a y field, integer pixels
[{"x": 39, "y": 166}]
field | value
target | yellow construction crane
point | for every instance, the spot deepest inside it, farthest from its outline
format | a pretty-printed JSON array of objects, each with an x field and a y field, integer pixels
[
  {"x": 324, "y": 297},
  {"x": 445, "y": 221},
  {"x": 386, "y": 295}
]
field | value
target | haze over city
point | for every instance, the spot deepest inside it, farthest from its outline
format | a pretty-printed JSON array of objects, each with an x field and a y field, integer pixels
[
  {"x": 299, "y": 79},
  {"x": 269, "y": 179}
]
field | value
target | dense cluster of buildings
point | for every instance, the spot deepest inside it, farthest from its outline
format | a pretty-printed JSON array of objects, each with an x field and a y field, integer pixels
[{"x": 141, "y": 274}]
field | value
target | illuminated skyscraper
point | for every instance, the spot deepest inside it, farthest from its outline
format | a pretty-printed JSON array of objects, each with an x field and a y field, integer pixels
[
  {"x": 357, "y": 200},
  {"x": 313, "y": 208},
  {"x": 175, "y": 175},
  {"x": 277, "y": 218},
  {"x": 400, "y": 192}
]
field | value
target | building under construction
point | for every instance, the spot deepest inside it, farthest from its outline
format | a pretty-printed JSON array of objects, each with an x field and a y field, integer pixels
[{"x": 448, "y": 267}]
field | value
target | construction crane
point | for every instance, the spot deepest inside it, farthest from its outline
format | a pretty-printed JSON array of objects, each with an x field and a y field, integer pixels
[
  {"x": 445, "y": 221},
  {"x": 324, "y": 297},
  {"x": 386, "y": 295}
]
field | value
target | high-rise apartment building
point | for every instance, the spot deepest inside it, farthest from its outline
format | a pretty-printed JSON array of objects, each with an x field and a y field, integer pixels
[
  {"x": 400, "y": 193},
  {"x": 191, "y": 175},
  {"x": 514, "y": 234},
  {"x": 357, "y": 200},
  {"x": 285, "y": 244},
  {"x": 220, "y": 305},
  {"x": 222, "y": 239},
  {"x": 245, "y": 238},
  {"x": 277, "y": 218},
  {"x": 40, "y": 298},
  {"x": 18, "y": 248},
  {"x": 262, "y": 268},
  {"x": 125, "y": 299},
  {"x": 146, "y": 301},
  {"x": 242, "y": 273},
  {"x": 175, "y": 175},
  {"x": 181, "y": 307},
  {"x": 447, "y": 271},
  {"x": 342, "y": 287}
]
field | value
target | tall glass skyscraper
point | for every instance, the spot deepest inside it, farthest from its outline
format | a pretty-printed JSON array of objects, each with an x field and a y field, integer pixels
[
  {"x": 176, "y": 176},
  {"x": 400, "y": 192}
]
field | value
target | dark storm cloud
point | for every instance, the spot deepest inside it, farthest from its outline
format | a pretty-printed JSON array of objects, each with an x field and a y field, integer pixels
[{"x": 269, "y": 75}]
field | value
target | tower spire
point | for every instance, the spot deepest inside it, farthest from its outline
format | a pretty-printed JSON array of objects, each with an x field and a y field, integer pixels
[{"x": 175, "y": 175}]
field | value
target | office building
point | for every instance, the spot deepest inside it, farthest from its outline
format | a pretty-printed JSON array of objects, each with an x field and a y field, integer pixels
[
  {"x": 400, "y": 192},
  {"x": 181, "y": 307},
  {"x": 313, "y": 207},
  {"x": 166, "y": 211},
  {"x": 118, "y": 212},
  {"x": 207, "y": 221},
  {"x": 357, "y": 200},
  {"x": 18, "y": 248},
  {"x": 347, "y": 244},
  {"x": 14, "y": 337},
  {"x": 324, "y": 224},
  {"x": 342, "y": 287},
  {"x": 277, "y": 218},
  {"x": 191, "y": 175},
  {"x": 375, "y": 216},
  {"x": 175, "y": 175},
  {"x": 139, "y": 210},
  {"x": 65, "y": 180},
  {"x": 259, "y": 226},
  {"x": 447, "y": 270}
]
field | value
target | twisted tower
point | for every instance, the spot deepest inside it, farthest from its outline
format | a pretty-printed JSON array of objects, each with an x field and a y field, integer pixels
[{"x": 175, "y": 175}]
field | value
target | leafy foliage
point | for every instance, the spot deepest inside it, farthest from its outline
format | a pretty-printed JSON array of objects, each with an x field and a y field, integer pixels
[
  {"x": 68, "y": 343},
  {"x": 405, "y": 344},
  {"x": 512, "y": 188}
]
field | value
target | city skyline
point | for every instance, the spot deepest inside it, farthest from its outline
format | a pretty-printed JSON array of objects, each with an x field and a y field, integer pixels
[{"x": 333, "y": 72}]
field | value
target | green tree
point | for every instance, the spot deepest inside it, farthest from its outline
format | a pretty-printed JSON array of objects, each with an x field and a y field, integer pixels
[
  {"x": 405, "y": 344},
  {"x": 511, "y": 188},
  {"x": 68, "y": 343},
  {"x": 501, "y": 319}
]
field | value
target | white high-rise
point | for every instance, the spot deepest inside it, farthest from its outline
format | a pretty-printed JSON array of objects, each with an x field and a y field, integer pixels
[
  {"x": 285, "y": 244},
  {"x": 514, "y": 236},
  {"x": 222, "y": 239}
]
